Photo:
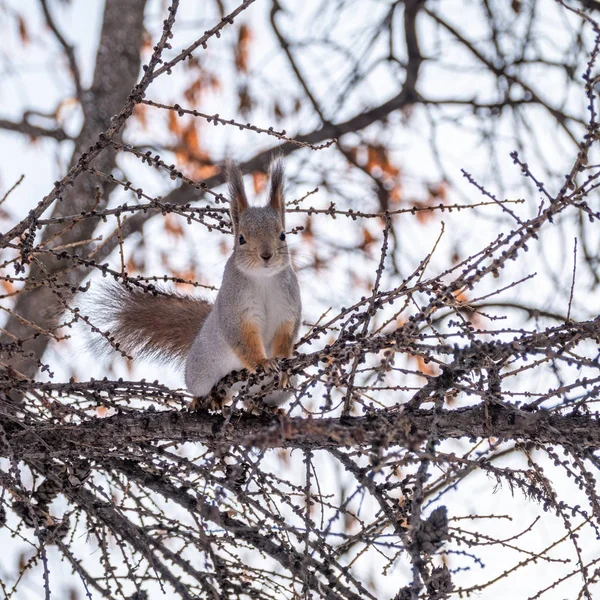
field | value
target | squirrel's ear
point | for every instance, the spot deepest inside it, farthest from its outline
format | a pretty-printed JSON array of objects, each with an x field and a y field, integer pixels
[
  {"x": 276, "y": 201},
  {"x": 239, "y": 202}
]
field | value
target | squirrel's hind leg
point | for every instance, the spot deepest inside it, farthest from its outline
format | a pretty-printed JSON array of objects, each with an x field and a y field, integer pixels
[{"x": 208, "y": 362}]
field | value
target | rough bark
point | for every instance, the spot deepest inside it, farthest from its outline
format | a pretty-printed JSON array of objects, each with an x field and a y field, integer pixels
[{"x": 403, "y": 428}]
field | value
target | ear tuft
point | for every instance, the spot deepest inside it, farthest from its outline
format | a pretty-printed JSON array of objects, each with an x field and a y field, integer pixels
[
  {"x": 276, "y": 200},
  {"x": 239, "y": 202}
]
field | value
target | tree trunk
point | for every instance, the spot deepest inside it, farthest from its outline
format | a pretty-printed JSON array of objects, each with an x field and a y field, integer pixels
[{"x": 116, "y": 72}]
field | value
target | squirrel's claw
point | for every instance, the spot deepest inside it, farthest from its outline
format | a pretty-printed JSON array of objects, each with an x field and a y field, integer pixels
[
  {"x": 284, "y": 379},
  {"x": 215, "y": 401},
  {"x": 270, "y": 365},
  {"x": 198, "y": 403}
]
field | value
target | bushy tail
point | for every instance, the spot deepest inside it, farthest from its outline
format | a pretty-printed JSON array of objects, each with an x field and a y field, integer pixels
[{"x": 161, "y": 326}]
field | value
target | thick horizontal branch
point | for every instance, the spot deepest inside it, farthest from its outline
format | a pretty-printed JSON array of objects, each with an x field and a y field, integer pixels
[{"x": 401, "y": 428}]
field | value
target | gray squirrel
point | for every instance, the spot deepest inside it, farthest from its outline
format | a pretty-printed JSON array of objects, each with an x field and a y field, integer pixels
[{"x": 256, "y": 315}]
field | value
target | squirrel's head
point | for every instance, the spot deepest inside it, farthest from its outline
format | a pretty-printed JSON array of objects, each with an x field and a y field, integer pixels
[{"x": 260, "y": 247}]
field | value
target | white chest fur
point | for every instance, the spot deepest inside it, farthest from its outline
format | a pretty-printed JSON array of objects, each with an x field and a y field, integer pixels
[{"x": 269, "y": 305}]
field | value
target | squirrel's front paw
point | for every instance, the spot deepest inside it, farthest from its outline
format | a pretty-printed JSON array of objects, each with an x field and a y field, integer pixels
[{"x": 269, "y": 365}]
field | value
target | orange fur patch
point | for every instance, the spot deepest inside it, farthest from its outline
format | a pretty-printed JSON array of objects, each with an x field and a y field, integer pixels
[
  {"x": 283, "y": 342},
  {"x": 251, "y": 350}
]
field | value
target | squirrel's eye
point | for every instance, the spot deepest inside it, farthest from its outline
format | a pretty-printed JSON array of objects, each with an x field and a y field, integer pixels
[
  {"x": 242, "y": 240},
  {"x": 282, "y": 236}
]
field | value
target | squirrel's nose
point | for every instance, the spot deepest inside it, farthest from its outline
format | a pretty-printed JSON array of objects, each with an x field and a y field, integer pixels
[{"x": 266, "y": 255}]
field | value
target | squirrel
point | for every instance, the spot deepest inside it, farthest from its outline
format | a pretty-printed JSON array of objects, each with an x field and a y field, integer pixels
[{"x": 254, "y": 320}]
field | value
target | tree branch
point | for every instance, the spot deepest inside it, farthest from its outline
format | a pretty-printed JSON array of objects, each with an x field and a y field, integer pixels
[
  {"x": 407, "y": 427},
  {"x": 69, "y": 50},
  {"x": 34, "y": 131}
]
